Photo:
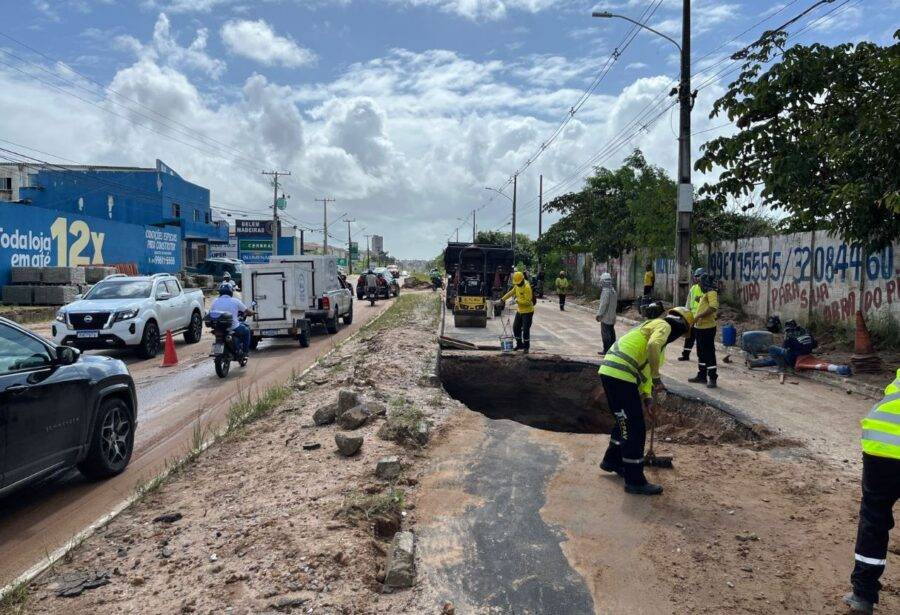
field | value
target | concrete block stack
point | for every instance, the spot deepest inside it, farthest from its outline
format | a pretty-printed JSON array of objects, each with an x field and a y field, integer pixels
[
  {"x": 95, "y": 273},
  {"x": 62, "y": 275},
  {"x": 44, "y": 285}
]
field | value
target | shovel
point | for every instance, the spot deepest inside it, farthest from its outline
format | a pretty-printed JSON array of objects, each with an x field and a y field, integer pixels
[{"x": 651, "y": 458}]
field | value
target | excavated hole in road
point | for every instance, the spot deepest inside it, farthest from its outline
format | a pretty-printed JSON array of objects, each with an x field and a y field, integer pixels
[{"x": 565, "y": 395}]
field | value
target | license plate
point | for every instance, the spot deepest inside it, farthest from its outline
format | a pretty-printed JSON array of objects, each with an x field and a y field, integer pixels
[
  {"x": 218, "y": 348},
  {"x": 471, "y": 303},
  {"x": 88, "y": 334},
  {"x": 272, "y": 332}
]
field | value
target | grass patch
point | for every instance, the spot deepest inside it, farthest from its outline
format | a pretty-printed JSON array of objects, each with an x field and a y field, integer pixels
[
  {"x": 402, "y": 423},
  {"x": 400, "y": 312},
  {"x": 884, "y": 331},
  {"x": 15, "y": 600},
  {"x": 388, "y": 503},
  {"x": 246, "y": 410}
]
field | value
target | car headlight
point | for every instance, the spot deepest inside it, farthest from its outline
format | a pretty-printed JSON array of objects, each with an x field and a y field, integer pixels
[
  {"x": 60, "y": 316},
  {"x": 126, "y": 314}
]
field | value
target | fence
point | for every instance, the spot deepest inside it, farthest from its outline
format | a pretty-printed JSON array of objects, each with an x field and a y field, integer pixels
[{"x": 802, "y": 276}]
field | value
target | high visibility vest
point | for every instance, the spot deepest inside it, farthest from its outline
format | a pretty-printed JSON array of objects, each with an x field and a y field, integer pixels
[
  {"x": 627, "y": 359},
  {"x": 694, "y": 298},
  {"x": 881, "y": 428},
  {"x": 524, "y": 297},
  {"x": 562, "y": 285}
]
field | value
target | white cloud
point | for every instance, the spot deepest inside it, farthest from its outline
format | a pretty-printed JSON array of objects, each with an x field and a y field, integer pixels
[
  {"x": 477, "y": 10},
  {"x": 165, "y": 49},
  {"x": 256, "y": 40}
]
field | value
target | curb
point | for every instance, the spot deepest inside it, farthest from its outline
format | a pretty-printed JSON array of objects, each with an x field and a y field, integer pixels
[{"x": 30, "y": 574}]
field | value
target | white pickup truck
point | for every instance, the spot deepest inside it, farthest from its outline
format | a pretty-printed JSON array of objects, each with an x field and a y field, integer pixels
[{"x": 131, "y": 312}]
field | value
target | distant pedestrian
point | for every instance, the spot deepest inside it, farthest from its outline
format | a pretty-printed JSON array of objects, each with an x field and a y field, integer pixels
[
  {"x": 525, "y": 301},
  {"x": 606, "y": 312},
  {"x": 562, "y": 289},
  {"x": 705, "y": 333},
  {"x": 693, "y": 299},
  {"x": 649, "y": 280},
  {"x": 880, "y": 492}
]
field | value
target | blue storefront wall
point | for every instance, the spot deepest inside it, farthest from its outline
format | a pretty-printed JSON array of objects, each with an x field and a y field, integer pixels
[{"x": 37, "y": 237}]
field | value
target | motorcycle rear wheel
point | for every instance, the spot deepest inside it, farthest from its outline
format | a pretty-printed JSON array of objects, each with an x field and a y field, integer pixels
[{"x": 223, "y": 366}]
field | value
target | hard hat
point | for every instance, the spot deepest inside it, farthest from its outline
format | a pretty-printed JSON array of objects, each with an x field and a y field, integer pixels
[
  {"x": 518, "y": 277},
  {"x": 562, "y": 273},
  {"x": 685, "y": 314},
  {"x": 225, "y": 289},
  {"x": 605, "y": 277},
  {"x": 699, "y": 271}
]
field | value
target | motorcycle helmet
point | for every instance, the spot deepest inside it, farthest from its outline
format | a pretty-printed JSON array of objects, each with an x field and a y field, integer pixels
[
  {"x": 225, "y": 289},
  {"x": 698, "y": 272}
]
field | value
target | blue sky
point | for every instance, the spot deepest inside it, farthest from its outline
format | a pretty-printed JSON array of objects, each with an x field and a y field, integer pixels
[{"x": 403, "y": 110}]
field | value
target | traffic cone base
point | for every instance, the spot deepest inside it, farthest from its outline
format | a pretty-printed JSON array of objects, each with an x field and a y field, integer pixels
[{"x": 170, "y": 358}]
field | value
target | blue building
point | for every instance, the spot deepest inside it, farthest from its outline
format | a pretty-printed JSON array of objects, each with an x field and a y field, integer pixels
[{"x": 143, "y": 197}]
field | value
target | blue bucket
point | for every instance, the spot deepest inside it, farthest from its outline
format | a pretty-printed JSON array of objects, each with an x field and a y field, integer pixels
[{"x": 729, "y": 335}]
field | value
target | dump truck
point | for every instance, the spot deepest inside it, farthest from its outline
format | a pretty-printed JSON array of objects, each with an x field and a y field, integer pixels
[{"x": 477, "y": 276}]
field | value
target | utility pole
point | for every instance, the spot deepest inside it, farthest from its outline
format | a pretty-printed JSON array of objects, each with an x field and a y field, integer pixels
[
  {"x": 515, "y": 180},
  {"x": 302, "y": 247},
  {"x": 457, "y": 234},
  {"x": 349, "y": 244},
  {"x": 685, "y": 189},
  {"x": 473, "y": 225},
  {"x": 367, "y": 251},
  {"x": 275, "y": 224},
  {"x": 324, "y": 201},
  {"x": 540, "y": 213}
]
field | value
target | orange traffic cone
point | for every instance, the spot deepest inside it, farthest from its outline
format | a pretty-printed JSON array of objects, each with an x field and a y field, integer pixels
[
  {"x": 170, "y": 358},
  {"x": 864, "y": 359}
]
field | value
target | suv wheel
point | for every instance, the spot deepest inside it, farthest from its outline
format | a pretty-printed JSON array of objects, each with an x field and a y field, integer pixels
[
  {"x": 112, "y": 441},
  {"x": 348, "y": 317},
  {"x": 150, "y": 341},
  {"x": 303, "y": 338},
  {"x": 194, "y": 330}
]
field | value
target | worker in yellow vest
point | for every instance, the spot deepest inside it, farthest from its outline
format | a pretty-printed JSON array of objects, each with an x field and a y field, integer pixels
[
  {"x": 691, "y": 303},
  {"x": 880, "y": 491},
  {"x": 649, "y": 279},
  {"x": 629, "y": 373},
  {"x": 705, "y": 333},
  {"x": 525, "y": 301},
  {"x": 562, "y": 289}
]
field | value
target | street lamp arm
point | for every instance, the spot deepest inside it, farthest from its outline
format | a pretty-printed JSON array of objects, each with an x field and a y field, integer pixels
[{"x": 608, "y": 15}]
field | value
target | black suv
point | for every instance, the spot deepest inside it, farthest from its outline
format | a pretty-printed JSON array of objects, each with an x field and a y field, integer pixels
[{"x": 59, "y": 409}]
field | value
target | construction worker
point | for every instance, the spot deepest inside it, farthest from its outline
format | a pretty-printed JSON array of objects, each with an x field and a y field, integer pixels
[
  {"x": 606, "y": 312},
  {"x": 880, "y": 491},
  {"x": 691, "y": 303},
  {"x": 562, "y": 289},
  {"x": 525, "y": 301},
  {"x": 630, "y": 376},
  {"x": 705, "y": 333},
  {"x": 649, "y": 279}
]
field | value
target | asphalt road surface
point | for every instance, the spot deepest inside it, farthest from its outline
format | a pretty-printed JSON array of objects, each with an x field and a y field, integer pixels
[{"x": 172, "y": 401}]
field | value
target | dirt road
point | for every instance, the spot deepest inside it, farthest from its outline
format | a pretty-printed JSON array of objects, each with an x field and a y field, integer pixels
[{"x": 172, "y": 401}]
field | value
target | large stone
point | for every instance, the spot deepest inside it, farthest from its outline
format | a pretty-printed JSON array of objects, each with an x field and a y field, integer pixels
[
  {"x": 25, "y": 275},
  {"x": 62, "y": 275},
  {"x": 348, "y": 445},
  {"x": 325, "y": 414},
  {"x": 354, "y": 418},
  {"x": 347, "y": 399},
  {"x": 388, "y": 468},
  {"x": 423, "y": 431},
  {"x": 401, "y": 563},
  {"x": 18, "y": 295},
  {"x": 54, "y": 295},
  {"x": 376, "y": 408}
]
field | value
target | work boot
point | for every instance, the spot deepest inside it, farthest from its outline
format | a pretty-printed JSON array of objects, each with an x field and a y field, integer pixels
[
  {"x": 612, "y": 468},
  {"x": 712, "y": 382},
  {"x": 645, "y": 489},
  {"x": 858, "y": 605},
  {"x": 701, "y": 378},
  {"x": 685, "y": 355}
]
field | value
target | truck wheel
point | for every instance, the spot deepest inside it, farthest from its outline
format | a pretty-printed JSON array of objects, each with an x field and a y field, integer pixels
[
  {"x": 331, "y": 325},
  {"x": 223, "y": 366},
  {"x": 348, "y": 317},
  {"x": 150, "y": 341},
  {"x": 112, "y": 441},
  {"x": 304, "y": 337},
  {"x": 195, "y": 329}
]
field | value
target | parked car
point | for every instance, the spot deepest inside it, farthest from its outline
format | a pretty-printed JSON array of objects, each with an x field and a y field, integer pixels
[
  {"x": 291, "y": 293},
  {"x": 393, "y": 282},
  {"x": 218, "y": 266},
  {"x": 60, "y": 410},
  {"x": 387, "y": 284},
  {"x": 131, "y": 312}
]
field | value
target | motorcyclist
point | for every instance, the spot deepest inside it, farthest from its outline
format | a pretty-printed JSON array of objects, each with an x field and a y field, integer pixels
[
  {"x": 227, "y": 304},
  {"x": 371, "y": 281},
  {"x": 226, "y": 279},
  {"x": 435, "y": 276}
]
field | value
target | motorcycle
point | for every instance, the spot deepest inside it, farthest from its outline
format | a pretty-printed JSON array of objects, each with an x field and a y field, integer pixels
[
  {"x": 225, "y": 347},
  {"x": 371, "y": 294},
  {"x": 436, "y": 283}
]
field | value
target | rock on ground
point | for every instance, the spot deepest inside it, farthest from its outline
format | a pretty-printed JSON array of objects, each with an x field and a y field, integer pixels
[
  {"x": 353, "y": 419},
  {"x": 388, "y": 468},
  {"x": 348, "y": 445},
  {"x": 401, "y": 564},
  {"x": 325, "y": 415}
]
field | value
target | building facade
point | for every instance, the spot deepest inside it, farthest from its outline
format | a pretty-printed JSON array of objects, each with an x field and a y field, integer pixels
[{"x": 140, "y": 197}]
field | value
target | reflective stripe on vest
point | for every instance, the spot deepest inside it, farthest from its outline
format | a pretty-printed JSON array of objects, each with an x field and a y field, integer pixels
[{"x": 881, "y": 428}]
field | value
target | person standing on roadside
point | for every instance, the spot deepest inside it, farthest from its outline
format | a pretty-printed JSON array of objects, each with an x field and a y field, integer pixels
[
  {"x": 562, "y": 289},
  {"x": 649, "y": 279},
  {"x": 691, "y": 303},
  {"x": 525, "y": 301},
  {"x": 705, "y": 333},
  {"x": 606, "y": 312},
  {"x": 880, "y": 492}
]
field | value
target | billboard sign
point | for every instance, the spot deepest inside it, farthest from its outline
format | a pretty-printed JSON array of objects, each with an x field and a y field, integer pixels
[{"x": 253, "y": 227}]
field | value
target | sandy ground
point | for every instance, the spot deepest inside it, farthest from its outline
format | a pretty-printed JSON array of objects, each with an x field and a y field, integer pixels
[{"x": 262, "y": 526}]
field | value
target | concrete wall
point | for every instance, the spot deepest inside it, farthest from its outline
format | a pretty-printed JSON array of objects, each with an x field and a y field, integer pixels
[{"x": 801, "y": 276}]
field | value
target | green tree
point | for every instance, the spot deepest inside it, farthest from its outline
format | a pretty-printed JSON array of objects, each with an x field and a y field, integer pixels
[
  {"x": 818, "y": 131},
  {"x": 525, "y": 250}
]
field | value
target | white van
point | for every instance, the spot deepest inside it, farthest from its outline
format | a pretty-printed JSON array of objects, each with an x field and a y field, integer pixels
[{"x": 291, "y": 293}]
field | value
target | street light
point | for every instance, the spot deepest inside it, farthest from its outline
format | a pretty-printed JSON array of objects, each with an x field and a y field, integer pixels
[
  {"x": 685, "y": 203},
  {"x": 513, "y": 201},
  {"x": 503, "y": 194}
]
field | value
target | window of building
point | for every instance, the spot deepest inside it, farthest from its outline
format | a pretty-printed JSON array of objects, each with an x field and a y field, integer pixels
[
  {"x": 196, "y": 215},
  {"x": 208, "y": 218},
  {"x": 5, "y": 183},
  {"x": 176, "y": 210}
]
